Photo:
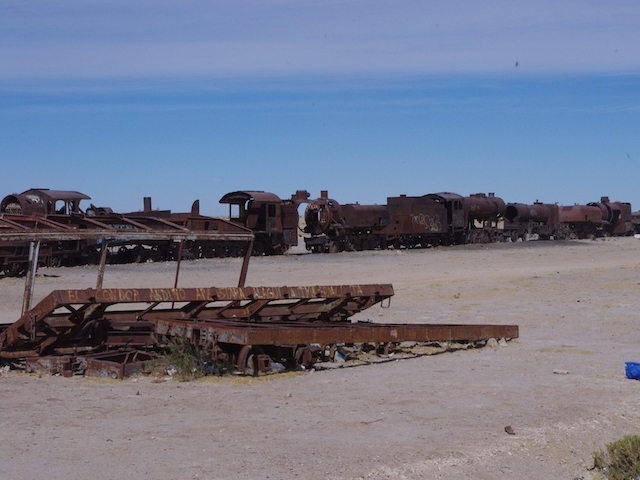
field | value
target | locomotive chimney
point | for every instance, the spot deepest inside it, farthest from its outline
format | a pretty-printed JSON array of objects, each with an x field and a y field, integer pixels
[
  {"x": 147, "y": 204},
  {"x": 324, "y": 194},
  {"x": 300, "y": 195}
]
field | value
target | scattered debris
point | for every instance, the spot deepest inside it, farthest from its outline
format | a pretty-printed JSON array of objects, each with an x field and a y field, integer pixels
[{"x": 509, "y": 430}]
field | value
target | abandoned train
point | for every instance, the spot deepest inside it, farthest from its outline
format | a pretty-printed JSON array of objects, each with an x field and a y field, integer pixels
[
  {"x": 60, "y": 210},
  {"x": 404, "y": 222},
  {"x": 447, "y": 218},
  {"x": 273, "y": 221}
]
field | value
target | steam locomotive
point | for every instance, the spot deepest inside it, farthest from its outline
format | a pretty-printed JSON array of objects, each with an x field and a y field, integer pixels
[
  {"x": 403, "y": 222},
  {"x": 273, "y": 221},
  {"x": 447, "y": 218}
]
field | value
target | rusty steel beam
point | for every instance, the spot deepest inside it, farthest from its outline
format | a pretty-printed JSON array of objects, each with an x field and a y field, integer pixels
[
  {"x": 324, "y": 334},
  {"x": 29, "y": 284},
  {"x": 119, "y": 235}
]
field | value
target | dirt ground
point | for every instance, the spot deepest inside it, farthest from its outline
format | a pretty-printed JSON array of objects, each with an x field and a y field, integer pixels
[{"x": 440, "y": 416}]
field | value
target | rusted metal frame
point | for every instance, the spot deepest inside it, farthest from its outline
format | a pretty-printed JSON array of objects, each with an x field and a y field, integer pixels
[
  {"x": 316, "y": 311},
  {"x": 300, "y": 308},
  {"x": 175, "y": 283},
  {"x": 119, "y": 235},
  {"x": 140, "y": 223},
  {"x": 103, "y": 262},
  {"x": 140, "y": 337},
  {"x": 245, "y": 263},
  {"x": 93, "y": 221},
  {"x": 169, "y": 224},
  {"x": 179, "y": 260},
  {"x": 242, "y": 312},
  {"x": 13, "y": 332},
  {"x": 30, "y": 222},
  {"x": 218, "y": 311},
  {"x": 68, "y": 298},
  {"x": 332, "y": 309},
  {"x": 6, "y": 223},
  {"x": 289, "y": 334},
  {"x": 34, "y": 252},
  {"x": 81, "y": 319},
  {"x": 45, "y": 332},
  {"x": 212, "y": 294},
  {"x": 193, "y": 309},
  {"x": 115, "y": 365},
  {"x": 141, "y": 315}
]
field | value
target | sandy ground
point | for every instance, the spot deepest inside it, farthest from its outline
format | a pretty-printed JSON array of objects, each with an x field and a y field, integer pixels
[{"x": 430, "y": 417}]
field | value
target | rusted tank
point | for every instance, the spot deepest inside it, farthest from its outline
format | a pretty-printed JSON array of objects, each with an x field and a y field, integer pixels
[
  {"x": 616, "y": 216},
  {"x": 538, "y": 212},
  {"x": 580, "y": 214},
  {"x": 481, "y": 207},
  {"x": 537, "y": 221}
]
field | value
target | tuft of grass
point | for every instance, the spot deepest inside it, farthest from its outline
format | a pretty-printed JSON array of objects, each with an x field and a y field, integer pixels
[
  {"x": 188, "y": 361},
  {"x": 621, "y": 461}
]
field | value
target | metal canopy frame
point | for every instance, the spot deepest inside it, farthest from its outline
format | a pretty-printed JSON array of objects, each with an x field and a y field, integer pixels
[{"x": 36, "y": 236}]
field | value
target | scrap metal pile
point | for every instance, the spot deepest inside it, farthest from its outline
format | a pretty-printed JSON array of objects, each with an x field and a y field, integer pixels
[{"x": 113, "y": 332}]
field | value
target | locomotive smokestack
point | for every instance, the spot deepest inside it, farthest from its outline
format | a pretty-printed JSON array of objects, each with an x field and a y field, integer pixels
[
  {"x": 147, "y": 204},
  {"x": 324, "y": 194}
]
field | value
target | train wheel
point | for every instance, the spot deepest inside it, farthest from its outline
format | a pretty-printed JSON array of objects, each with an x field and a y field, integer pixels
[
  {"x": 15, "y": 269},
  {"x": 248, "y": 360},
  {"x": 333, "y": 247}
]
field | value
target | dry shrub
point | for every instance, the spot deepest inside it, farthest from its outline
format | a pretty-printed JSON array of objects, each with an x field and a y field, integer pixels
[
  {"x": 187, "y": 361},
  {"x": 621, "y": 461}
]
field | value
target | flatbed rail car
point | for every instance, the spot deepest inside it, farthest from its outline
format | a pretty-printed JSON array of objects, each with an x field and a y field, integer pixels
[{"x": 251, "y": 326}]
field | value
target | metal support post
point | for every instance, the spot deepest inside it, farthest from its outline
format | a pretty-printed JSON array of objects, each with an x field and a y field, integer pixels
[
  {"x": 34, "y": 252},
  {"x": 245, "y": 264},
  {"x": 103, "y": 262}
]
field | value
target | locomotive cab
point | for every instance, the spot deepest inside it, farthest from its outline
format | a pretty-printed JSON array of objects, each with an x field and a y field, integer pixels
[
  {"x": 42, "y": 201},
  {"x": 273, "y": 221}
]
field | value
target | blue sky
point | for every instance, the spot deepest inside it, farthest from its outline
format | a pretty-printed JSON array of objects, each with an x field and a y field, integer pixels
[{"x": 367, "y": 99}]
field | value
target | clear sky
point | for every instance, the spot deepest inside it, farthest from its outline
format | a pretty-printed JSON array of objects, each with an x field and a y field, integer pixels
[{"x": 366, "y": 99}]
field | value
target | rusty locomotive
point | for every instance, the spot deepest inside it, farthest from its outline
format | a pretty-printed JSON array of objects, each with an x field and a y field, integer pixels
[
  {"x": 447, "y": 218},
  {"x": 58, "y": 211},
  {"x": 403, "y": 222},
  {"x": 55, "y": 207},
  {"x": 273, "y": 221}
]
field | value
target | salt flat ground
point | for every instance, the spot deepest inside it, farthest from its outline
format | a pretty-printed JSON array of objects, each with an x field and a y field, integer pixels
[{"x": 440, "y": 416}]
